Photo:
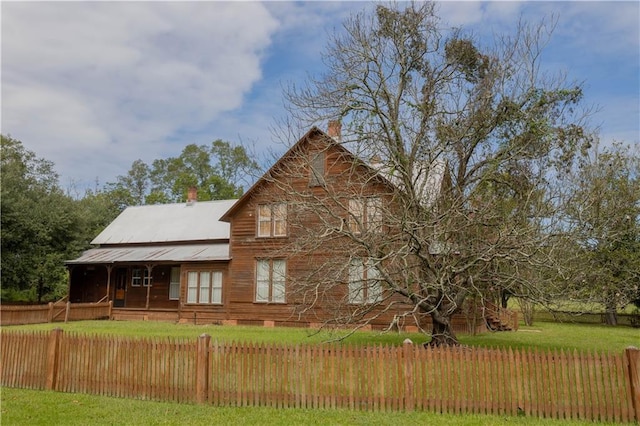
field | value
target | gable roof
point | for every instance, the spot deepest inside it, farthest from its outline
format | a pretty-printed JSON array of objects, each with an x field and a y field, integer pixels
[
  {"x": 166, "y": 223},
  {"x": 314, "y": 131},
  {"x": 428, "y": 180}
]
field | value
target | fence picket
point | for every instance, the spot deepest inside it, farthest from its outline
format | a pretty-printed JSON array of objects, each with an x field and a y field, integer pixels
[{"x": 553, "y": 383}]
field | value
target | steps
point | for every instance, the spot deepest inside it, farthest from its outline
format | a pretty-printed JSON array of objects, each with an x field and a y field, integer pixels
[{"x": 498, "y": 318}]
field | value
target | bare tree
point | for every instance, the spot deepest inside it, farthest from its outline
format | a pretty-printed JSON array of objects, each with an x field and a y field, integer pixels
[{"x": 465, "y": 141}]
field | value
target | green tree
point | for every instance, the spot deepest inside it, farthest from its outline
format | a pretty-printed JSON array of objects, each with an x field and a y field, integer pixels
[
  {"x": 217, "y": 171},
  {"x": 40, "y": 226},
  {"x": 604, "y": 214},
  {"x": 428, "y": 103}
]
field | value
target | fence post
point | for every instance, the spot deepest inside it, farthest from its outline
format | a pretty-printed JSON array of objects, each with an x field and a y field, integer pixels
[
  {"x": 202, "y": 368},
  {"x": 408, "y": 374},
  {"x": 66, "y": 314},
  {"x": 50, "y": 314},
  {"x": 633, "y": 358},
  {"x": 53, "y": 351},
  {"x": 110, "y": 309}
]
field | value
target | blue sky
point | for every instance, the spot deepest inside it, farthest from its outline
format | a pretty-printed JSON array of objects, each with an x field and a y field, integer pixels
[{"x": 94, "y": 86}]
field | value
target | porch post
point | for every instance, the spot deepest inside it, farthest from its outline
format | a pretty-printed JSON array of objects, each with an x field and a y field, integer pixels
[
  {"x": 109, "y": 269},
  {"x": 70, "y": 272},
  {"x": 149, "y": 270}
]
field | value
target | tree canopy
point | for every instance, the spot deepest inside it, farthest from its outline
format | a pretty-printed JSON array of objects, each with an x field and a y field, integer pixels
[
  {"x": 424, "y": 100},
  {"x": 218, "y": 171},
  {"x": 604, "y": 218},
  {"x": 42, "y": 226}
]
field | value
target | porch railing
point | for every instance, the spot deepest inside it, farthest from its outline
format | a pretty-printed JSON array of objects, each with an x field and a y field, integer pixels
[{"x": 58, "y": 311}]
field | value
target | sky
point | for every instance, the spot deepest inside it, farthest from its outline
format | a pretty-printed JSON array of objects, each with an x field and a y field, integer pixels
[{"x": 94, "y": 86}]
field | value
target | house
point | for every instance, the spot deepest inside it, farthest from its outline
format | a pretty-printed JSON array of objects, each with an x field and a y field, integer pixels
[{"x": 241, "y": 261}]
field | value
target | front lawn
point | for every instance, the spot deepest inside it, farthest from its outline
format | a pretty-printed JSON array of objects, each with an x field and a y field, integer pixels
[
  {"x": 541, "y": 335},
  {"x": 29, "y": 407}
]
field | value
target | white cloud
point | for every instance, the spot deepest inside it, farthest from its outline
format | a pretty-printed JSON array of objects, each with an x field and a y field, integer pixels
[
  {"x": 81, "y": 76},
  {"x": 94, "y": 86}
]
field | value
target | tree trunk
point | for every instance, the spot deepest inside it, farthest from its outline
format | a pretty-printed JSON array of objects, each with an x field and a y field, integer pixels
[
  {"x": 527, "y": 308},
  {"x": 442, "y": 333},
  {"x": 40, "y": 290},
  {"x": 611, "y": 316}
]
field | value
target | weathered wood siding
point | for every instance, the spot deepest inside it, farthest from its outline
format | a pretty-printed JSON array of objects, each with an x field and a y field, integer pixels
[
  {"x": 205, "y": 313},
  {"x": 292, "y": 176}
]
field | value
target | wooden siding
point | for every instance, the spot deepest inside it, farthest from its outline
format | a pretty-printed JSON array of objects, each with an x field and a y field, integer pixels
[
  {"x": 246, "y": 247},
  {"x": 205, "y": 313}
]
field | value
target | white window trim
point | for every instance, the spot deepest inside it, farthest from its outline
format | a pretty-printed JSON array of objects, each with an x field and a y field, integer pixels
[
  {"x": 271, "y": 284},
  {"x": 365, "y": 214},
  {"x": 174, "y": 283},
  {"x": 364, "y": 286},
  {"x": 143, "y": 280},
  {"x": 204, "y": 291},
  {"x": 276, "y": 216}
]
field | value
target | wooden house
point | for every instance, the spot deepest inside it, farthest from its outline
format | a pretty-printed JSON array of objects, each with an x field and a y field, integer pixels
[{"x": 231, "y": 261}]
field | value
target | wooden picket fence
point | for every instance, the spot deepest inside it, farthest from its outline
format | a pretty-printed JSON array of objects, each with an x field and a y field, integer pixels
[
  {"x": 550, "y": 384},
  {"x": 54, "y": 312}
]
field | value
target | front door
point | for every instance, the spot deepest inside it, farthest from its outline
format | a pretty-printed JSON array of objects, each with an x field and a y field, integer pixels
[{"x": 121, "y": 288}]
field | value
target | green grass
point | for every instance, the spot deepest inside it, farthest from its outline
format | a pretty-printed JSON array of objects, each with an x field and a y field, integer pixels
[
  {"x": 547, "y": 335},
  {"x": 257, "y": 334},
  {"x": 29, "y": 407},
  {"x": 542, "y": 335}
]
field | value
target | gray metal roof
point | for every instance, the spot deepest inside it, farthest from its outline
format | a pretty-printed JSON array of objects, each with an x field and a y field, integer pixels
[
  {"x": 181, "y": 253},
  {"x": 164, "y": 223}
]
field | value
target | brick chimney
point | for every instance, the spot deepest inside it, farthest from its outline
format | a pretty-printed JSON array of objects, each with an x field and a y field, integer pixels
[
  {"x": 192, "y": 195},
  {"x": 335, "y": 130}
]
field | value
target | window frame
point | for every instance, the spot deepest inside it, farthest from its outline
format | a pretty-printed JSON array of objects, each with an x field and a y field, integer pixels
[
  {"x": 270, "y": 281},
  {"x": 364, "y": 283},
  {"x": 365, "y": 214},
  {"x": 212, "y": 287},
  {"x": 273, "y": 216},
  {"x": 317, "y": 168},
  {"x": 174, "y": 283},
  {"x": 140, "y": 277}
]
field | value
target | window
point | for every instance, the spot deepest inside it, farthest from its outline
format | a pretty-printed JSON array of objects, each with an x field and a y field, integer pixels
[
  {"x": 270, "y": 280},
  {"x": 365, "y": 214},
  {"x": 364, "y": 282},
  {"x": 204, "y": 287},
  {"x": 141, "y": 276},
  {"x": 316, "y": 169},
  {"x": 174, "y": 284},
  {"x": 272, "y": 220}
]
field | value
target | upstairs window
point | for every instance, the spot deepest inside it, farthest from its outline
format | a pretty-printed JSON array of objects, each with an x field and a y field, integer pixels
[
  {"x": 270, "y": 280},
  {"x": 364, "y": 282},
  {"x": 365, "y": 214},
  {"x": 316, "y": 168},
  {"x": 272, "y": 220}
]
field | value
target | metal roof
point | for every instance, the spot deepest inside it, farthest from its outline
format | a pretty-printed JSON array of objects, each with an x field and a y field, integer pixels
[
  {"x": 162, "y": 223},
  {"x": 181, "y": 253}
]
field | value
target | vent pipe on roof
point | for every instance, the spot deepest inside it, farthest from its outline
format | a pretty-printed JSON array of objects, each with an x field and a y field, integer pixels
[
  {"x": 335, "y": 130},
  {"x": 192, "y": 195}
]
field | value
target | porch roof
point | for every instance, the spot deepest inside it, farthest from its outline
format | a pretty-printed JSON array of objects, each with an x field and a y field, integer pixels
[{"x": 181, "y": 253}]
